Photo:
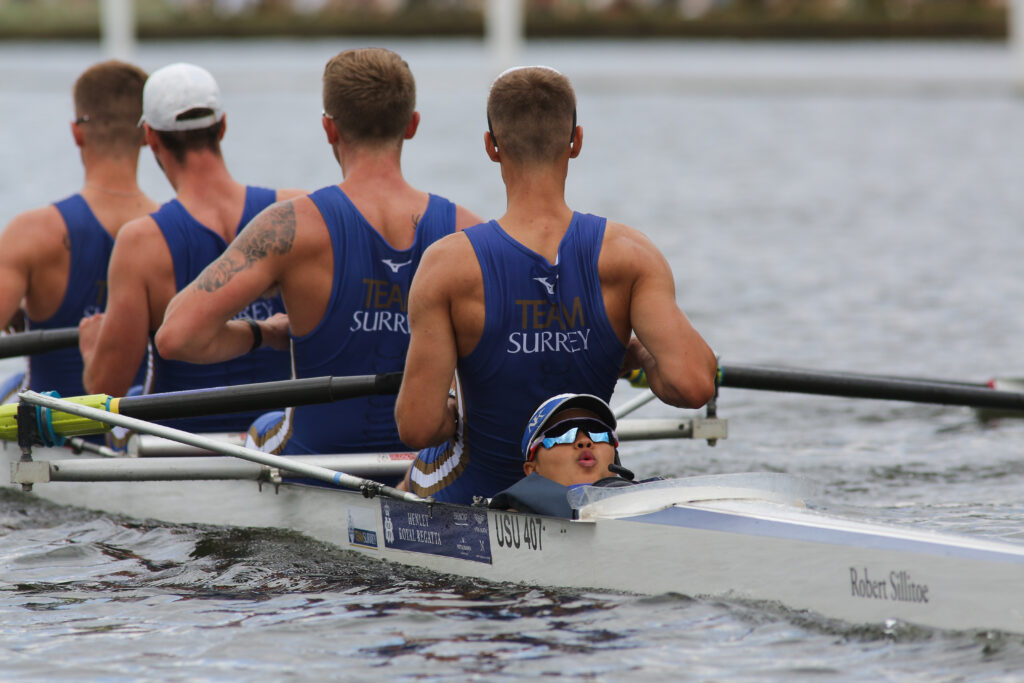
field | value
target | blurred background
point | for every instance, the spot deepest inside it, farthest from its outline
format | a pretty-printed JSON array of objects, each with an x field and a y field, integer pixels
[{"x": 709, "y": 18}]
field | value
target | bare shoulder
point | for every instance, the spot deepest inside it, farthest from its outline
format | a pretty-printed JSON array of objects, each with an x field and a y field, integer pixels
[
  {"x": 273, "y": 230},
  {"x": 449, "y": 251},
  {"x": 293, "y": 211},
  {"x": 624, "y": 236},
  {"x": 138, "y": 231},
  {"x": 141, "y": 244},
  {"x": 451, "y": 259},
  {"x": 627, "y": 247},
  {"x": 305, "y": 210},
  {"x": 44, "y": 226}
]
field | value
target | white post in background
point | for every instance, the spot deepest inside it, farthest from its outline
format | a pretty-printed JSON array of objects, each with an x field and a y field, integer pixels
[
  {"x": 503, "y": 23},
  {"x": 117, "y": 28},
  {"x": 1015, "y": 18}
]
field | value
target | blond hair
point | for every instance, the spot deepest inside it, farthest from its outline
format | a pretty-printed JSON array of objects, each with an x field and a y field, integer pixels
[
  {"x": 531, "y": 112},
  {"x": 370, "y": 94},
  {"x": 108, "y": 101}
]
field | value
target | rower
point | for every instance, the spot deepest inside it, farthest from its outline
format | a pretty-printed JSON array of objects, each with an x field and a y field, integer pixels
[
  {"x": 157, "y": 255},
  {"x": 53, "y": 260},
  {"x": 343, "y": 258},
  {"x": 542, "y": 300},
  {"x": 569, "y": 441}
]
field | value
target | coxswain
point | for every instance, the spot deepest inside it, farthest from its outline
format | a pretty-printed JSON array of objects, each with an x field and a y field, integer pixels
[{"x": 569, "y": 441}]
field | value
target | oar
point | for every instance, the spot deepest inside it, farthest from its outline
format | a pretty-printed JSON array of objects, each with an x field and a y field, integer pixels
[
  {"x": 854, "y": 385},
  {"x": 37, "y": 341},
  {"x": 368, "y": 487},
  {"x": 233, "y": 399}
]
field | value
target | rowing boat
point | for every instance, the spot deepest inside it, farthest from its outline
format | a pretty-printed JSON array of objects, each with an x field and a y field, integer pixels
[{"x": 748, "y": 537}]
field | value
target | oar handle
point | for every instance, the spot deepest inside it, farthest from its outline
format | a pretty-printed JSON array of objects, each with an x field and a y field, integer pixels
[
  {"x": 218, "y": 400},
  {"x": 37, "y": 341},
  {"x": 852, "y": 385}
]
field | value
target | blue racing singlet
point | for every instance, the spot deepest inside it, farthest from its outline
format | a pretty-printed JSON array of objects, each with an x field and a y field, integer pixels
[
  {"x": 86, "y": 294},
  {"x": 546, "y": 332},
  {"x": 193, "y": 246},
  {"x": 365, "y": 330}
]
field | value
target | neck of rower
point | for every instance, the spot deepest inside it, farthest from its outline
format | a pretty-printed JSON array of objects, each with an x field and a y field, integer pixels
[
  {"x": 537, "y": 214},
  {"x": 205, "y": 187},
  {"x": 370, "y": 165},
  {"x": 374, "y": 183},
  {"x": 116, "y": 174}
]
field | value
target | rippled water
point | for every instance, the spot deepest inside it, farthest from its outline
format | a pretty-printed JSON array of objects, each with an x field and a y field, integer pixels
[{"x": 851, "y": 207}]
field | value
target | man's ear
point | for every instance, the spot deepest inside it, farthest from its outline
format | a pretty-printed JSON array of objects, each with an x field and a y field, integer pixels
[
  {"x": 491, "y": 147},
  {"x": 76, "y": 133},
  {"x": 151, "y": 137},
  {"x": 576, "y": 144},
  {"x": 330, "y": 129},
  {"x": 529, "y": 467},
  {"x": 414, "y": 123}
]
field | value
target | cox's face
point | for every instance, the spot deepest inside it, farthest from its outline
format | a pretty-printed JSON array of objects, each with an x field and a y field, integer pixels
[{"x": 583, "y": 461}]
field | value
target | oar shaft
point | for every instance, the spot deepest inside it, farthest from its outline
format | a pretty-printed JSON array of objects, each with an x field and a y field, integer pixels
[
  {"x": 853, "y": 385},
  {"x": 262, "y": 396},
  {"x": 37, "y": 341},
  {"x": 301, "y": 468}
]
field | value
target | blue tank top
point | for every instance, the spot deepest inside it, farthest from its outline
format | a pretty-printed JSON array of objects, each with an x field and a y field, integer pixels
[
  {"x": 364, "y": 330},
  {"x": 546, "y": 332},
  {"x": 86, "y": 294},
  {"x": 193, "y": 246}
]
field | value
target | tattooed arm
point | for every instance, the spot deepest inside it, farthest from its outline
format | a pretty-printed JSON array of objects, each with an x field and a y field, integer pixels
[{"x": 198, "y": 325}]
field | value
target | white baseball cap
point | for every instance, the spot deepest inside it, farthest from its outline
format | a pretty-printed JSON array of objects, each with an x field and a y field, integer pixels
[{"x": 175, "y": 89}]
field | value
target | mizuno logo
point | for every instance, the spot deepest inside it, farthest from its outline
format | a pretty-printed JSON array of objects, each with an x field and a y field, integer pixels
[
  {"x": 547, "y": 285},
  {"x": 394, "y": 266}
]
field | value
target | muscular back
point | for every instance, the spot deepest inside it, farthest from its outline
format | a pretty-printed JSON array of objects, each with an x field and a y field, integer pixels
[
  {"x": 621, "y": 248},
  {"x": 306, "y": 272},
  {"x": 638, "y": 290}
]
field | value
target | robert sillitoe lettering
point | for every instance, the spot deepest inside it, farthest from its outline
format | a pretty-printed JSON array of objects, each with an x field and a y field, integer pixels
[{"x": 898, "y": 586}]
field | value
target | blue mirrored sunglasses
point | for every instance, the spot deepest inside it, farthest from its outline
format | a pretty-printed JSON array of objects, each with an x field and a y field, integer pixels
[{"x": 567, "y": 431}]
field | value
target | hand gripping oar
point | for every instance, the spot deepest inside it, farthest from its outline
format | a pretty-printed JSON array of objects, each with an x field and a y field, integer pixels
[
  {"x": 369, "y": 488},
  {"x": 233, "y": 399},
  {"x": 854, "y": 385},
  {"x": 37, "y": 341}
]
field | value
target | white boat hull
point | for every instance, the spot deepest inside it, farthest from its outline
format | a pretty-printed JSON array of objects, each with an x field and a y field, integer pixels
[{"x": 724, "y": 537}]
